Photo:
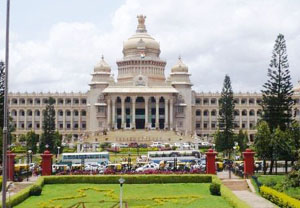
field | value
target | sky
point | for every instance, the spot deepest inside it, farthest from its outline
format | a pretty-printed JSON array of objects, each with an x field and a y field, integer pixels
[{"x": 54, "y": 44}]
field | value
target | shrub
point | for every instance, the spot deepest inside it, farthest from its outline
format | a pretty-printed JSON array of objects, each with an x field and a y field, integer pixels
[
  {"x": 215, "y": 189},
  {"x": 129, "y": 179},
  {"x": 281, "y": 199},
  {"x": 35, "y": 190}
]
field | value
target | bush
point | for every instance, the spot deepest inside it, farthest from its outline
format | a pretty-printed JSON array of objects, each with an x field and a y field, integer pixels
[
  {"x": 35, "y": 190},
  {"x": 281, "y": 199},
  {"x": 215, "y": 189},
  {"x": 129, "y": 179}
]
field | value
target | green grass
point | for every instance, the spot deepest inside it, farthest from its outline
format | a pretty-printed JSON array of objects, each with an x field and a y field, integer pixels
[
  {"x": 192, "y": 195},
  {"x": 276, "y": 182}
]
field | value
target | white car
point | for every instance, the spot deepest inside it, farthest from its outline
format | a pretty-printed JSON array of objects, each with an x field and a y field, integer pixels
[
  {"x": 123, "y": 145},
  {"x": 151, "y": 166},
  {"x": 186, "y": 146},
  {"x": 157, "y": 144}
]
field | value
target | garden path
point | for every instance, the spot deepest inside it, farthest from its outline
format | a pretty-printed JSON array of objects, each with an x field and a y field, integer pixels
[{"x": 240, "y": 188}]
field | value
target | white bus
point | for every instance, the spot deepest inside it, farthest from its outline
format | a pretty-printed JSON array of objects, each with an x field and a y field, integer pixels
[
  {"x": 85, "y": 157},
  {"x": 180, "y": 155}
]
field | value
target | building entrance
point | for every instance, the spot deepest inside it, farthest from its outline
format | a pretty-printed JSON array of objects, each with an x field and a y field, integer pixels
[{"x": 140, "y": 118}]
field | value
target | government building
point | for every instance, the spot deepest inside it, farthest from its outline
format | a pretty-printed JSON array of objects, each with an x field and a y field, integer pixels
[{"x": 142, "y": 104}]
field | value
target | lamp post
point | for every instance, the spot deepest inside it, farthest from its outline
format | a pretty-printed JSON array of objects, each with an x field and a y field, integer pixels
[
  {"x": 129, "y": 161},
  {"x": 28, "y": 156},
  {"x": 47, "y": 146},
  {"x": 58, "y": 148},
  {"x": 121, "y": 181},
  {"x": 5, "y": 109}
]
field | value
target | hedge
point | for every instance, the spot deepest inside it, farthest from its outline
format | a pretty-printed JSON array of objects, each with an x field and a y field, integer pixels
[
  {"x": 106, "y": 179},
  {"x": 279, "y": 198},
  {"x": 230, "y": 197},
  {"x": 129, "y": 179}
]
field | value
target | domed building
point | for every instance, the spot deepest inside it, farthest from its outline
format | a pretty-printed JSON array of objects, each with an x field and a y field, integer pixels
[{"x": 141, "y": 105}]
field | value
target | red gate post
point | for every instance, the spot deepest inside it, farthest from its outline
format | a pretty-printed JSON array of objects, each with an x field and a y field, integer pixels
[
  {"x": 46, "y": 163},
  {"x": 248, "y": 162},
  {"x": 210, "y": 161},
  {"x": 10, "y": 165}
]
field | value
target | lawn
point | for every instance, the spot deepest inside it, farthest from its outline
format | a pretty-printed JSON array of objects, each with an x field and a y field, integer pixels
[
  {"x": 276, "y": 182},
  {"x": 179, "y": 195}
]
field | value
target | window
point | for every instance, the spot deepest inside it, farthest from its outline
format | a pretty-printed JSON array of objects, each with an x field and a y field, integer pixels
[
  {"x": 198, "y": 113},
  {"x": 198, "y": 125},
  {"x": 101, "y": 109},
  {"x": 205, "y": 125},
  {"x": 180, "y": 109},
  {"x": 198, "y": 101},
  {"x": 68, "y": 113},
  {"x": 83, "y": 113},
  {"x": 213, "y": 101}
]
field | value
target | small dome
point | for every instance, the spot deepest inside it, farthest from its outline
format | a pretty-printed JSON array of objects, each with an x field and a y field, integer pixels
[
  {"x": 141, "y": 39},
  {"x": 102, "y": 66},
  {"x": 180, "y": 66},
  {"x": 297, "y": 88}
]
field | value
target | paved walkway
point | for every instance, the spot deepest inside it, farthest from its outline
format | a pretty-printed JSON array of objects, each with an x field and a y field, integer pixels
[{"x": 240, "y": 188}]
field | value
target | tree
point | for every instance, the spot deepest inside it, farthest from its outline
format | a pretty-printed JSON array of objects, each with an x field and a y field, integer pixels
[
  {"x": 277, "y": 94},
  {"x": 294, "y": 135},
  {"x": 242, "y": 140},
  {"x": 48, "y": 135},
  {"x": 226, "y": 118},
  {"x": 31, "y": 140},
  {"x": 262, "y": 144}
]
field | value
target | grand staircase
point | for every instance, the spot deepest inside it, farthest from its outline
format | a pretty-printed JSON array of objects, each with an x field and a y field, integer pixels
[{"x": 140, "y": 136}]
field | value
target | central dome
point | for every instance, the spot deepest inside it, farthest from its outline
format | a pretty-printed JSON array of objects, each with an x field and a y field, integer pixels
[{"x": 141, "y": 42}]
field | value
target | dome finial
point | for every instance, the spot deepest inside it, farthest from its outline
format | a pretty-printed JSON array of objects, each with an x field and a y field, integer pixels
[
  {"x": 141, "y": 28},
  {"x": 179, "y": 57},
  {"x": 102, "y": 57}
]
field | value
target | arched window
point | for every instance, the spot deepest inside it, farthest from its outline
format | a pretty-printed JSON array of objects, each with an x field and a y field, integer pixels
[
  {"x": 21, "y": 113},
  {"x": 213, "y": 113},
  {"x": 236, "y": 112},
  {"x": 83, "y": 113},
  {"x": 205, "y": 113},
  {"x": 198, "y": 112},
  {"x": 251, "y": 113},
  {"x": 244, "y": 113},
  {"x": 29, "y": 113}
]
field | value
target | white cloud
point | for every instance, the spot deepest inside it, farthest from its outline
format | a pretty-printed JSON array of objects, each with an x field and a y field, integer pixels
[{"x": 213, "y": 37}]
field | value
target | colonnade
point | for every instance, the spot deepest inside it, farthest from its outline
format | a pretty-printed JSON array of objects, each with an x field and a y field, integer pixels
[{"x": 130, "y": 112}]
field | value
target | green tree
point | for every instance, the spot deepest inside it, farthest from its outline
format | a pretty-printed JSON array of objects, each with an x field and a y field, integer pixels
[
  {"x": 262, "y": 143},
  {"x": 57, "y": 142},
  {"x": 294, "y": 135},
  {"x": 277, "y": 94},
  {"x": 219, "y": 141},
  {"x": 242, "y": 140},
  {"x": 31, "y": 141},
  {"x": 226, "y": 118},
  {"x": 48, "y": 135}
]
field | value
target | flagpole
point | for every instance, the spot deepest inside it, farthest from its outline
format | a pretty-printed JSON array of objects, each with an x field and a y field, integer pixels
[{"x": 5, "y": 119}]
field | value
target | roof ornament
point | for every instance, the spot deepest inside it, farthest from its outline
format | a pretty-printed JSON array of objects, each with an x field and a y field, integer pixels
[
  {"x": 141, "y": 28},
  {"x": 102, "y": 57}
]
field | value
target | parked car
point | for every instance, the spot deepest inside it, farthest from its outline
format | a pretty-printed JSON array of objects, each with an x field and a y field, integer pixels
[
  {"x": 123, "y": 145},
  {"x": 133, "y": 145},
  {"x": 151, "y": 166},
  {"x": 157, "y": 144}
]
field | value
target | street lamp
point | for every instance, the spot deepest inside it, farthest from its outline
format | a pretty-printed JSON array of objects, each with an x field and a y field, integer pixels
[
  {"x": 121, "y": 181},
  {"x": 58, "y": 148},
  {"x": 47, "y": 146},
  {"x": 129, "y": 161},
  {"x": 28, "y": 154}
]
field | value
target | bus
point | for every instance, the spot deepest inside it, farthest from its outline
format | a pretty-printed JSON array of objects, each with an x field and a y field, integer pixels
[
  {"x": 86, "y": 157},
  {"x": 180, "y": 155}
]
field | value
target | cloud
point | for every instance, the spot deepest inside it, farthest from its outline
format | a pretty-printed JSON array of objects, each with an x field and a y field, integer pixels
[{"x": 213, "y": 37}]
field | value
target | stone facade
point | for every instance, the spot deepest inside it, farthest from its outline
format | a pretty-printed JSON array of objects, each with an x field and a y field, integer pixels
[{"x": 140, "y": 98}]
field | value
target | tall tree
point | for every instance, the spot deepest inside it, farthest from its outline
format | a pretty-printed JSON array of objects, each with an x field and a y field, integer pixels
[
  {"x": 48, "y": 135},
  {"x": 278, "y": 90},
  {"x": 226, "y": 117}
]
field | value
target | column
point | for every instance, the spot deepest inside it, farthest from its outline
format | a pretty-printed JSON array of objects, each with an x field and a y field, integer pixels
[
  {"x": 209, "y": 117},
  {"x": 41, "y": 118},
  {"x": 25, "y": 122},
  {"x": 113, "y": 112},
  {"x": 171, "y": 114},
  {"x": 146, "y": 111},
  {"x": 123, "y": 113},
  {"x": 248, "y": 119},
  {"x": 133, "y": 111},
  {"x": 56, "y": 120},
  {"x": 18, "y": 119},
  {"x": 32, "y": 119},
  {"x": 79, "y": 119},
  {"x": 64, "y": 119},
  {"x": 166, "y": 114},
  {"x": 72, "y": 119},
  {"x": 157, "y": 112},
  {"x": 108, "y": 114}
]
